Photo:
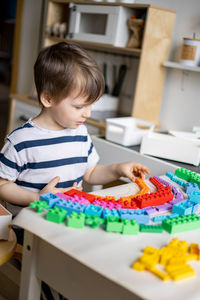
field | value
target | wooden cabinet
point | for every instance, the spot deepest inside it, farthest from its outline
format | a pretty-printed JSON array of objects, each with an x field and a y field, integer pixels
[
  {"x": 146, "y": 79},
  {"x": 150, "y": 77}
]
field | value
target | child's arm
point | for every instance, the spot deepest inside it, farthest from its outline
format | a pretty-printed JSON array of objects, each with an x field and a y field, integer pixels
[
  {"x": 100, "y": 174},
  {"x": 12, "y": 193}
]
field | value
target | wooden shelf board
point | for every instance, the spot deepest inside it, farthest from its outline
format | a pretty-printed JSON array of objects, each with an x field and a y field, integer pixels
[
  {"x": 98, "y": 46},
  {"x": 133, "y": 5},
  {"x": 175, "y": 65}
]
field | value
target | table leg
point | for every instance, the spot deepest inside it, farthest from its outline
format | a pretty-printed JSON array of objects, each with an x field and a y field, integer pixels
[{"x": 30, "y": 285}]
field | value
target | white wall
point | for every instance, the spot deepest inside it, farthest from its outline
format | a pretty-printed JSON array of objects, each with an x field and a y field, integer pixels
[{"x": 180, "y": 105}]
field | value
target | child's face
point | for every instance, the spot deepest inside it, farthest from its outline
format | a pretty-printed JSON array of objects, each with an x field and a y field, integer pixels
[{"x": 70, "y": 112}]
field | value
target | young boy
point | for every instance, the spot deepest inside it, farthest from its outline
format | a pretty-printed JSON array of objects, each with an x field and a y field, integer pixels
[{"x": 53, "y": 151}]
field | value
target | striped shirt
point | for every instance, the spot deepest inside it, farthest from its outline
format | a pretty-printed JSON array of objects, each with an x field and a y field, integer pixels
[{"x": 32, "y": 156}]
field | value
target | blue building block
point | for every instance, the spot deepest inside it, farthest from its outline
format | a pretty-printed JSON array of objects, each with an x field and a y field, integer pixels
[
  {"x": 176, "y": 179},
  {"x": 163, "y": 217},
  {"x": 195, "y": 197},
  {"x": 183, "y": 208},
  {"x": 93, "y": 210},
  {"x": 190, "y": 187},
  {"x": 71, "y": 206},
  {"x": 109, "y": 213},
  {"x": 159, "y": 218},
  {"x": 140, "y": 215},
  {"x": 50, "y": 199}
]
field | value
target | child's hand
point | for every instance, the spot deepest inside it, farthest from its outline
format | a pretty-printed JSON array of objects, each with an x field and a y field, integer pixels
[
  {"x": 132, "y": 170},
  {"x": 51, "y": 187}
]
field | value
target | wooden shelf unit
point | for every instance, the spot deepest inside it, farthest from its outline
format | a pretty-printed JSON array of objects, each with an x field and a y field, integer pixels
[
  {"x": 150, "y": 74},
  {"x": 155, "y": 48}
]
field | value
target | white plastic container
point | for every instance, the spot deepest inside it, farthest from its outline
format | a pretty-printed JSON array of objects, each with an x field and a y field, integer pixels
[
  {"x": 171, "y": 147},
  {"x": 127, "y": 131},
  {"x": 5, "y": 220},
  {"x": 190, "y": 53},
  {"x": 105, "y": 103}
]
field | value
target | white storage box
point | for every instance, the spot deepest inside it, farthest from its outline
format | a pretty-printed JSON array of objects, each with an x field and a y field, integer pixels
[
  {"x": 5, "y": 221},
  {"x": 99, "y": 24},
  {"x": 170, "y": 147},
  {"x": 106, "y": 102},
  {"x": 127, "y": 131}
]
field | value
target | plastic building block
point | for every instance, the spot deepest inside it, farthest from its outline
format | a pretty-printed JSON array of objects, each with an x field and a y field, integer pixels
[
  {"x": 183, "y": 173},
  {"x": 190, "y": 187},
  {"x": 130, "y": 227},
  {"x": 163, "y": 217},
  {"x": 159, "y": 274},
  {"x": 114, "y": 224},
  {"x": 93, "y": 210},
  {"x": 150, "y": 210},
  {"x": 94, "y": 221},
  {"x": 180, "y": 272},
  {"x": 71, "y": 206},
  {"x": 173, "y": 257},
  {"x": 39, "y": 205},
  {"x": 195, "y": 197},
  {"x": 85, "y": 195},
  {"x": 164, "y": 208},
  {"x": 188, "y": 176},
  {"x": 140, "y": 215},
  {"x": 182, "y": 223},
  {"x": 56, "y": 215},
  {"x": 176, "y": 179},
  {"x": 183, "y": 208},
  {"x": 51, "y": 199},
  {"x": 143, "y": 187},
  {"x": 151, "y": 228},
  {"x": 76, "y": 220},
  {"x": 110, "y": 213}
]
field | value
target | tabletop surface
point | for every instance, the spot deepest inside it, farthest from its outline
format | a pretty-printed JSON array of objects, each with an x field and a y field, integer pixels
[
  {"x": 7, "y": 248},
  {"x": 112, "y": 254}
]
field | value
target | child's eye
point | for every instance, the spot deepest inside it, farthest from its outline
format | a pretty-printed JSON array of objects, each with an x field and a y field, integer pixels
[{"x": 78, "y": 107}]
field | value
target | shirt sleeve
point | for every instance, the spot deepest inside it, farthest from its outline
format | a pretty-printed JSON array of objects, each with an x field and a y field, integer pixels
[
  {"x": 9, "y": 162},
  {"x": 93, "y": 156}
]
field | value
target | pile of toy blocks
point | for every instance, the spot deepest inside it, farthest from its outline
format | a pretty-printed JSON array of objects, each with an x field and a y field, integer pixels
[
  {"x": 127, "y": 215},
  {"x": 172, "y": 258}
]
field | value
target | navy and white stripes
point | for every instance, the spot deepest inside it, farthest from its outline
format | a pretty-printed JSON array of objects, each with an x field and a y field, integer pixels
[{"x": 32, "y": 156}]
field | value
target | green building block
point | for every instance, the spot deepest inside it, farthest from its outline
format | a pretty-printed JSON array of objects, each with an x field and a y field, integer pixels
[
  {"x": 183, "y": 173},
  {"x": 94, "y": 221},
  {"x": 114, "y": 224},
  {"x": 182, "y": 223},
  {"x": 188, "y": 175},
  {"x": 39, "y": 205},
  {"x": 76, "y": 220},
  {"x": 130, "y": 227},
  {"x": 151, "y": 228},
  {"x": 56, "y": 215}
]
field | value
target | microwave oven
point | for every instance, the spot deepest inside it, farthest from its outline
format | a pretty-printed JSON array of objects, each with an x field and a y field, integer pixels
[{"x": 99, "y": 24}]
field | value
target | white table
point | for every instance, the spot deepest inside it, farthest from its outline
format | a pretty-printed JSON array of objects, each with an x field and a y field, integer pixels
[{"x": 91, "y": 264}]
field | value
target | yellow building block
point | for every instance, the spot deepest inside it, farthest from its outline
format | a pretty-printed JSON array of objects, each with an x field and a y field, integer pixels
[
  {"x": 181, "y": 272},
  {"x": 138, "y": 266},
  {"x": 159, "y": 274}
]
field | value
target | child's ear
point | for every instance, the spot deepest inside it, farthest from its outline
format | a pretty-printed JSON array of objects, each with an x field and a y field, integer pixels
[{"x": 46, "y": 100}]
